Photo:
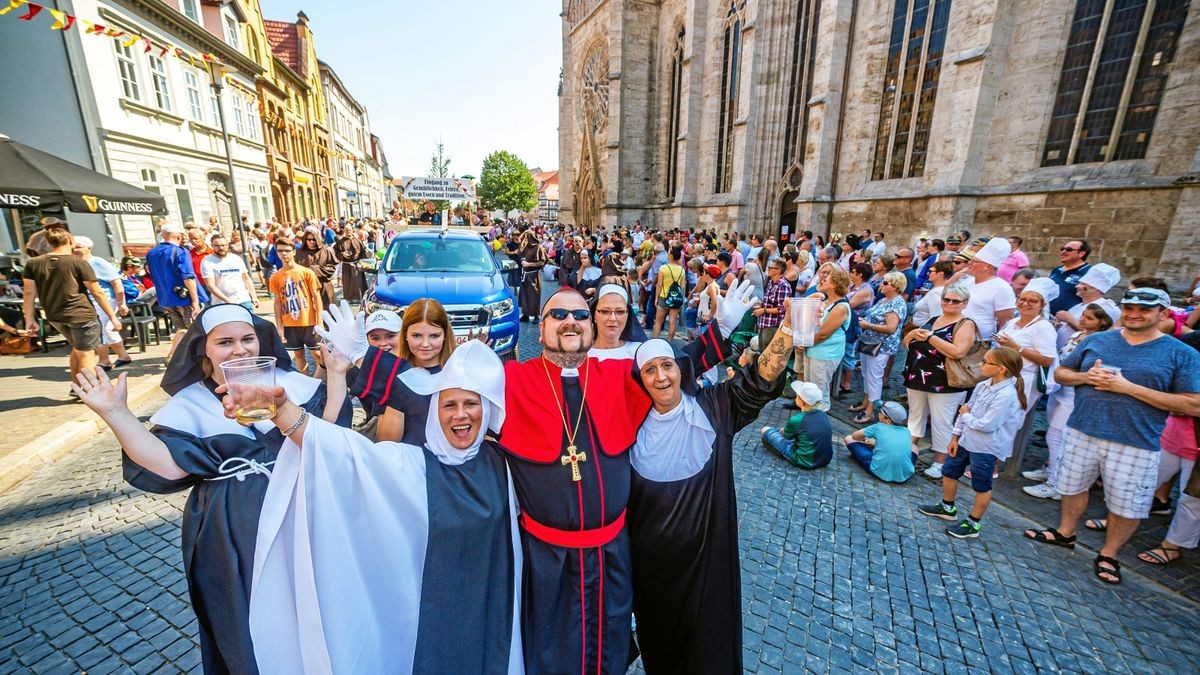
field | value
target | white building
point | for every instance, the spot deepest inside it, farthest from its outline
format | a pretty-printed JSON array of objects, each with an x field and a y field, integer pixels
[
  {"x": 351, "y": 150},
  {"x": 159, "y": 115}
]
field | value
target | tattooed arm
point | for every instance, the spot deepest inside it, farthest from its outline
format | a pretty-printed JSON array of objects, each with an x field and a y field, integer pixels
[{"x": 774, "y": 358}]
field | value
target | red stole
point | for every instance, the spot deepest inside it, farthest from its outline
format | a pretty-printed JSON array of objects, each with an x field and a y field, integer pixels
[{"x": 533, "y": 425}]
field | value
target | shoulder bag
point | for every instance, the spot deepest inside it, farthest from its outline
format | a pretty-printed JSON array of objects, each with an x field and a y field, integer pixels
[{"x": 966, "y": 372}]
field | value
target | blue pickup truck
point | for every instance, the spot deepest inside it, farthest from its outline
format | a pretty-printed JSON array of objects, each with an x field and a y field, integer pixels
[{"x": 456, "y": 268}]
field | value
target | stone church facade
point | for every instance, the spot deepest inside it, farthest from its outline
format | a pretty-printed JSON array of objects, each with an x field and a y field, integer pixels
[{"x": 1046, "y": 119}]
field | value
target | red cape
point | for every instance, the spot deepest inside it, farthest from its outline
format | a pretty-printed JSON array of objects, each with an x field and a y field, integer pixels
[{"x": 533, "y": 424}]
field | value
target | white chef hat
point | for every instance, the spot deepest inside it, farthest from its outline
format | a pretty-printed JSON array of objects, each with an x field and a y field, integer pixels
[
  {"x": 1043, "y": 286},
  {"x": 994, "y": 252},
  {"x": 1102, "y": 277}
]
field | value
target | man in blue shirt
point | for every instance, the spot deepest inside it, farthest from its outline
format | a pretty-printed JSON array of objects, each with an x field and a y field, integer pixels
[
  {"x": 1073, "y": 264},
  {"x": 176, "y": 289},
  {"x": 1126, "y": 381}
]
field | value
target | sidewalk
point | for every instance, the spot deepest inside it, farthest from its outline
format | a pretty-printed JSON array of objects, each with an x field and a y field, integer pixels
[{"x": 40, "y": 420}]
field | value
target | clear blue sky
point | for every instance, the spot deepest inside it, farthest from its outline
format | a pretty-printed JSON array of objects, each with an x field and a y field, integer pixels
[{"x": 481, "y": 75}]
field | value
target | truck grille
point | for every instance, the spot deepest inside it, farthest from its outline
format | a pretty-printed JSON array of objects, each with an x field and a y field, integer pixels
[{"x": 468, "y": 317}]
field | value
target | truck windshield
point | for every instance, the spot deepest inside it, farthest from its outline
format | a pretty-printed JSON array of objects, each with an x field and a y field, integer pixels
[{"x": 436, "y": 255}]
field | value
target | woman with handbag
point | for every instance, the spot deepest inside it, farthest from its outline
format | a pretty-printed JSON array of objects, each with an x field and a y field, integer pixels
[
  {"x": 930, "y": 395},
  {"x": 879, "y": 341}
]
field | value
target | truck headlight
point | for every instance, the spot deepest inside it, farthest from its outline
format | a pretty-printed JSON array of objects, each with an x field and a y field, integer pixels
[{"x": 499, "y": 309}]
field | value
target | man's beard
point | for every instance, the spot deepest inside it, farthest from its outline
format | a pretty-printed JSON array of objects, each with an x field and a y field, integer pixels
[{"x": 567, "y": 359}]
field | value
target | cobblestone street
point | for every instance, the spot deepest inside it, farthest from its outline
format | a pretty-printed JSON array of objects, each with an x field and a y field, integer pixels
[{"x": 840, "y": 575}]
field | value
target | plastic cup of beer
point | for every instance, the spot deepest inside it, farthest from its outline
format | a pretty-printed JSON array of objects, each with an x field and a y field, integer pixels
[{"x": 251, "y": 386}]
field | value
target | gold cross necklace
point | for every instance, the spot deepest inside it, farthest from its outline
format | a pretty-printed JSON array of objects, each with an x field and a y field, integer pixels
[{"x": 572, "y": 457}]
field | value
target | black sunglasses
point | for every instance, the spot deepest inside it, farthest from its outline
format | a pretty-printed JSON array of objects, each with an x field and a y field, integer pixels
[
  {"x": 1141, "y": 296},
  {"x": 560, "y": 314}
]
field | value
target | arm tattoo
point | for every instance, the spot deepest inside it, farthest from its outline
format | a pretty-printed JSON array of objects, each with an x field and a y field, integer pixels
[{"x": 775, "y": 357}]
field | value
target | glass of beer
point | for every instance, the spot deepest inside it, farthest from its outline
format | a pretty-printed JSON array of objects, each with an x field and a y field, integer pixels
[{"x": 251, "y": 385}]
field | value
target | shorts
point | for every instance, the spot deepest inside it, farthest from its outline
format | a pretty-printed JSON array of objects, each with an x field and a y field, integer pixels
[
  {"x": 1130, "y": 474},
  {"x": 82, "y": 337},
  {"x": 108, "y": 335},
  {"x": 296, "y": 338},
  {"x": 982, "y": 466},
  {"x": 661, "y": 303},
  {"x": 181, "y": 316}
]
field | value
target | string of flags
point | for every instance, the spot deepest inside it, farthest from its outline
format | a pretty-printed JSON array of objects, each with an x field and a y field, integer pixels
[{"x": 64, "y": 22}]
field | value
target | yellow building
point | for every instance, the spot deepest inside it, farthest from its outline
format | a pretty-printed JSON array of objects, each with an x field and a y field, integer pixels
[{"x": 293, "y": 111}]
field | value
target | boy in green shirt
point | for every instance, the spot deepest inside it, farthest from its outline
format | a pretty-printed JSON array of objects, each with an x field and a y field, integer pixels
[{"x": 807, "y": 439}]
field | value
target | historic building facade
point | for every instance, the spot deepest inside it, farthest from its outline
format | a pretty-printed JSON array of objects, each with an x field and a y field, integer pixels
[
  {"x": 160, "y": 117},
  {"x": 299, "y": 143},
  {"x": 1047, "y": 119}
]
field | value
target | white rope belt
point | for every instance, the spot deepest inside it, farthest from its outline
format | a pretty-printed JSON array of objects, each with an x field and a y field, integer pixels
[{"x": 240, "y": 467}]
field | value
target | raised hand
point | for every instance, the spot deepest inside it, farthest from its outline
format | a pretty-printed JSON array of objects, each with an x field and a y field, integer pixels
[
  {"x": 102, "y": 395},
  {"x": 345, "y": 330},
  {"x": 738, "y": 299}
]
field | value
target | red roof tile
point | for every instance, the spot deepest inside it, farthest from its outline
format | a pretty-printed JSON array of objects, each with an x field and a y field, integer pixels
[{"x": 282, "y": 36}]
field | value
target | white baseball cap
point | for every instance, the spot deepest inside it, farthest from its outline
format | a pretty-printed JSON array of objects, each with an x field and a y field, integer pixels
[
  {"x": 384, "y": 319},
  {"x": 807, "y": 391}
]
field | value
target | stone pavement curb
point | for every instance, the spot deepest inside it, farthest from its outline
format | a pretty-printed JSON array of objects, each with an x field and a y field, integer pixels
[{"x": 47, "y": 448}]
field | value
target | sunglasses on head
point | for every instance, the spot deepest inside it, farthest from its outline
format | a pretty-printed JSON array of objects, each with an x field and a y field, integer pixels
[{"x": 560, "y": 314}]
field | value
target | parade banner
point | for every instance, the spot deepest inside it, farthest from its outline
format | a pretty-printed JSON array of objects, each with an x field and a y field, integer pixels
[{"x": 436, "y": 189}]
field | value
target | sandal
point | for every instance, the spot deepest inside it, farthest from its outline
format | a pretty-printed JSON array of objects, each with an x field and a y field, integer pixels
[
  {"x": 1044, "y": 536},
  {"x": 857, "y": 407},
  {"x": 1096, "y": 524},
  {"x": 861, "y": 418},
  {"x": 1113, "y": 569},
  {"x": 1167, "y": 556}
]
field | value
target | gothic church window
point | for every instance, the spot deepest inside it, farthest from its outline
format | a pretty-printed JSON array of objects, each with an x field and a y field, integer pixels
[
  {"x": 910, "y": 84},
  {"x": 731, "y": 60},
  {"x": 674, "y": 114},
  {"x": 1113, "y": 75},
  {"x": 594, "y": 91},
  {"x": 804, "y": 43}
]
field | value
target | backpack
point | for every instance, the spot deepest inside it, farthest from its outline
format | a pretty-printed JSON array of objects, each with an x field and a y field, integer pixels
[
  {"x": 674, "y": 299},
  {"x": 853, "y": 329}
]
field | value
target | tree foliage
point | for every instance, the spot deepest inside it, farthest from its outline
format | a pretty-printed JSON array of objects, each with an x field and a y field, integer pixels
[
  {"x": 505, "y": 184},
  {"x": 439, "y": 167}
]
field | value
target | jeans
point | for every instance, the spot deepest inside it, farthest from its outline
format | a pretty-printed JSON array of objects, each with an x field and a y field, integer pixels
[
  {"x": 1185, "y": 525},
  {"x": 862, "y": 454}
]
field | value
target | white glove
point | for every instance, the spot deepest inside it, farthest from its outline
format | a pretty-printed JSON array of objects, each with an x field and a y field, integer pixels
[
  {"x": 345, "y": 331},
  {"x": 737, "y": 301}
]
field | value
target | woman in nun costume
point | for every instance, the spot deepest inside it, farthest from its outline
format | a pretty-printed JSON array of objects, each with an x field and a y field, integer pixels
[
  {"x": 617, "y": 331},
  {"x": 387, "y": 557},
  {"x": 683, "y": 510},
  {"x": 227, "y": 466}
]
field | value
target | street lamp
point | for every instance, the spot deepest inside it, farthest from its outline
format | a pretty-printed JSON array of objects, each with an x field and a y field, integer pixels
[
  {"x": 357, "y": 190},
  {"x": 215, "y": 71}
]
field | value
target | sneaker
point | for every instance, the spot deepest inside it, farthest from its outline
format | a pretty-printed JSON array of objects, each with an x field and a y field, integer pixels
[
  {"x": 1040, "y": 475},
  {"x": 1160, "y": 508},
  {"x": 964, "y": 529},
  {"x": 1041, "y": 491},
  {"x": 934, "y": 471},
  {"x": 939, "y": 510}
]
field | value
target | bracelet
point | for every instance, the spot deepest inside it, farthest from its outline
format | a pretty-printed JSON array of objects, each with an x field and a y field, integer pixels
[
  {"x": 786, "y": 330},
  {"x": 297, "y": 424}
]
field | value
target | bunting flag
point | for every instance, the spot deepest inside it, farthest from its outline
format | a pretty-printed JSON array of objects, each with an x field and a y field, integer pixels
[{"x": 65, "y": 21}]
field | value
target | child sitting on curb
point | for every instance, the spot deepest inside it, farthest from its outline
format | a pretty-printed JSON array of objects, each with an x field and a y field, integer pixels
[
  {"x": 807, "y": 439},
  {"x": 884, "y": 449},
  {"x": 983, "y": 435}
]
